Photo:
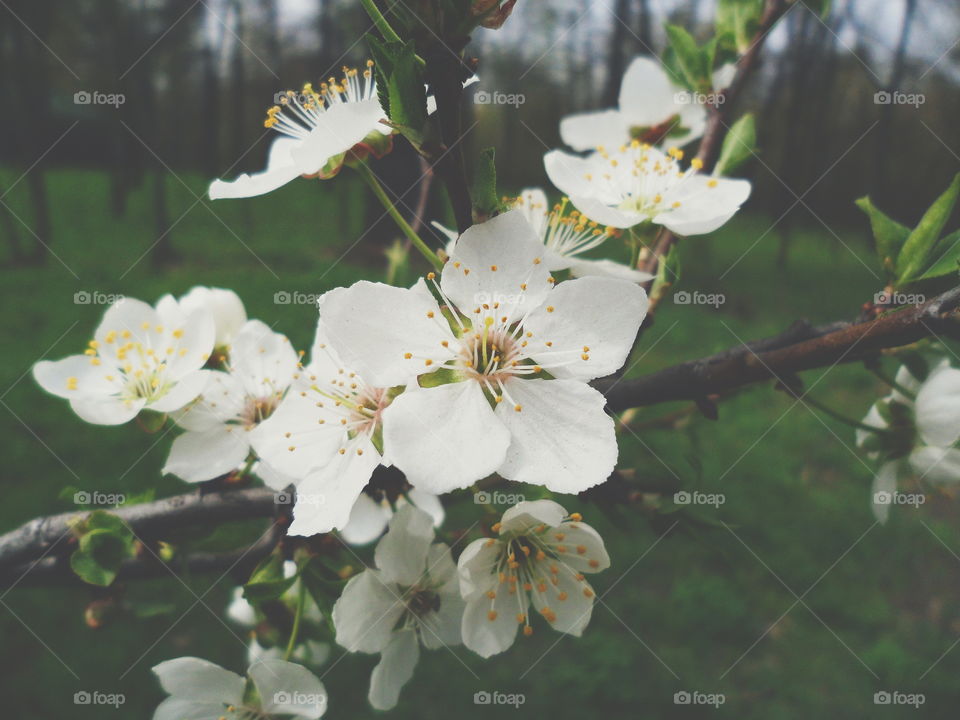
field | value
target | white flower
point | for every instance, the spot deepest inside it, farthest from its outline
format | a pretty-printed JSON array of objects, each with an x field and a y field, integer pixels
[
  {"x": 260, "y": 366},
  {"x": 565, "y": 234},
  {"x": 226, "y": 307},
  {"x": 140, "y": 358},
  {"x": 516, "y": 355},
  {"x": 369, "y": 518},
  {"x": 651, "y": 109},
  {"x": 917, "y": 436},
  {"x": 317, "y": 128},
  {"x": 324, "y": 436},
  {"x": 412, "y": 598},
  {"x": 201, "y": 690},
  {"x": 637, "y": 183},
  {"x": 538, "y": 558}
]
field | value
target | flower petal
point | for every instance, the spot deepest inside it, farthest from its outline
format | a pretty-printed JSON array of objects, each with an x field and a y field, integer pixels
[
  {"x": 200, "y": 456},
  {"x": 263, "y": 359},
  {"x": 224, "y": 305},
  {"x": 477, "y": 565},
  {"x": 587, "y": 131},
  {"x": 444, "y": 438},
  {"x": 397, "y": 662},
  {"x": 884, "y": 483},
  {"x": 73, "y": 377},
  {"x": 338, "y": 129},
  {"x": 281, "y": 169},
  {"x": 186, "y": 389},
  {"x": 293, "y": 440},
  {"x": 286, "y": 688},
  {"x": 585, "y": 551},
  {"x": 373, "y": 327},
  {"x": 705, "y": 204},
  {"x": 566, "y": 605},
  {"x": 196, "y": 679},
  {"x": 590, "y": 324},
  {"x": 401, "y": 555},
  {"x": 647, "y": 96},
  {"x": 936, "y": 464},
  {"x": 489, "y": 626},
  {"x": 366, "y": 612},
  {"x": 938, "y": 407},
  {"x": 562, "y": 438},
  {"x": 530, "y": 513},
  {"x": 368, "y": 520},
  {"x": 583, "y": 267},
  {"x": 109, "y": 410}
]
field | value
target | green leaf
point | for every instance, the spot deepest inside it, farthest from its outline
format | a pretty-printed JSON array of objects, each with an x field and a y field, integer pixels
[
  {"x": 384, "y": 56},
  {"x": 104, "y": 544},
  {"x": 484, "y": 191},
  {"x": 739, "y": 20},
  {"x": 408, "y": 95},
  {"x": 888, "y": 234},
  {"x": 267, "y": 581},
  {"x": 914, "y": 255},
  {"x": 949, "y": 261},
  {"x": 738, "y": 146},
  {"x": 690, "y": 59}
]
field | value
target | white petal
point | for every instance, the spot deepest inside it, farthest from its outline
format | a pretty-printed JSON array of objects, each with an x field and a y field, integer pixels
[
  {"x": 106, "y": 410},
  {"x": 938, "y": 407},
  {"x": 57, "y": 377},
  {"x": 196, "y": 679},
  {"x": 286, "y": 688},
  {"x": 177, "y": 708},
  {"x": 199, "y": 456},
  {"x": 327, "y": 495},
  {"x": 601, "y": 212},
  {"x": 569, "y": 173},
  {"x": 366, "y": 613},
  {"x": 223, "y": 399},
  {"x": 488, "y": 637},
  {"x": 873, "y": 419},
  {"x": 368, "y": 520},
  {"x": 477, "y": 567},
  {"x": 647, "y": 96},
  {"x": 224, "y": 305},
  {"x": 240, "y": 610},
  {"x": 444, "y": 438},
  {"x": 530, "y": 513},
  {"x": 492, "y": 261},
  {"x": 296, "y": 424},
  {"x": 273, "y": 478},
  {"x": 373, "y": 327},
  {"x": 572, "y": 613},
  {"x": 562, "y": 438},
  {"x": 578, "y": 537},
  {"x": 702, "y": 208},
  {"x": 884, "y": 485},
  {"x": 264, "y": 360},
  {"x": 394, "y": 670},
  {"x": 281, "y": 169},
  {"x": 126, "y": 315},
  {"x": 533, "y": 203},
  {"x": 186, "y": 389},
  {"x": 339, "y": 128},
  {"x": 588, "y": 131},
  {"x": 402, "y": 553},
  {"x": 591, "y": 324},
  {"x": 429, "y": 503},
  {"x": 583, "y": 267},
  {"x": 723, "y": 76},
  {"x": 936, "y": 464}
]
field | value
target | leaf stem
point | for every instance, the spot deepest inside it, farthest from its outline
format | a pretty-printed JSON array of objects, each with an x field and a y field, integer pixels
[
  {"x": 297, "y": 615},
  {"x": 380, "y": 21}
]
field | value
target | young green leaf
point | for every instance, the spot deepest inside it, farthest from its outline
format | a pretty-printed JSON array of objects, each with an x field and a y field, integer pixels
[
  {"x": 888, "y": 234},
  {"x": 949, "y": 261},
  {"x": 267, "y": 581},
  {"x": 484, "y": 192},
  {"x": 690, "y": 59},
  {"x": 407, "y": 94},
  {"x": 914, "y": 255},
  {"x": 739, "y": 144}
]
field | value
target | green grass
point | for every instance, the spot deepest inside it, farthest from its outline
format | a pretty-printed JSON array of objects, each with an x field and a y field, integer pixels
[{"x": 681, "y": 611}]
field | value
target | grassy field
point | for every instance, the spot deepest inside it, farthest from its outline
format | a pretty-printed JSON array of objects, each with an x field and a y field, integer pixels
[{"x": 793, "y": 604}]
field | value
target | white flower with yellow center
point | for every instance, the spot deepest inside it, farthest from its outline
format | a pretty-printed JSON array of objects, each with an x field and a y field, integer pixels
[
  {"x": 324, "y": 437},
  {"x": 140, "y": 358},
  {"x": 651, "y": 109},
  {"x": 504, "y": 366},
  {"x": 317, "y": 128},
  {"x": 538, "y": 558},
  {"x": 412, "y": 598},
  {"x": 260, "y": 366},
  {"x": 637, "y": 183},
  {"x": 201, "y": 690},
  {"x": 227, "y": 309}
]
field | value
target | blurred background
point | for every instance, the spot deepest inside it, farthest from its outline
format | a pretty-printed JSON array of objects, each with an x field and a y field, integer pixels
[{"x": 788, "y": 599}]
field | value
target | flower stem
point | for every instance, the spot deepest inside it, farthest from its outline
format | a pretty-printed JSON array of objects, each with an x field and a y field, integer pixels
[
  {"x": 367, "y": 174},
  {"x": 297, "y": 615},
  {"x": 837, "y": 416},
  {"x": 380, "y": 21},
  {"x": 893, "y": 383}
]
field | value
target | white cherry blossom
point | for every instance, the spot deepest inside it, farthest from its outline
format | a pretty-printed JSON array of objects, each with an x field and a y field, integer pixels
[
  {"x": 227, "y": 309},
  {"x": 141, "y": 358},
  {"x": 636, "y": 183},
  {"x": 411, "y": 599},
  {"x": 538, "y": 559},
  {"x": 514, "y": 353}
]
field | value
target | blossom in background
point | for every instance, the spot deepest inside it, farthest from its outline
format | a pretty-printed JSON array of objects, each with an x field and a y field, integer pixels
[
  {"x": 369, "y": 517},
  {"x": 539, "y": 557},
  {"x": 651, "y": 109},
  {"x": 141, "y": 357},
  {"x": 260, "y": 366},
  {"x": 514, "y": 353},
  {"x": 637, "y": 183},
  {"x": 201, "y": 690},
  {"x": 918, "y": 429},
  {"x": 324, "y": 436},
  {"x": 225, "y": 306},
  {"x": 317, "y": 129},
  {"x": 412, "y": 598},
  {"x": 565, "y": 234}
]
